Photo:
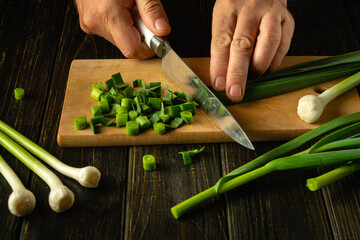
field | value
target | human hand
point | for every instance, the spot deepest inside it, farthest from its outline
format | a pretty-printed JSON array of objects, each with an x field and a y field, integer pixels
[
  {"x": 247, "y": 36},
  {"x": 112, "y": 20}
]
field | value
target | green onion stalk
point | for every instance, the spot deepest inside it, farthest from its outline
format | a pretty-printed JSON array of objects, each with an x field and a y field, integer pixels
[
  {"x": 299, "y": 76},
  {"x": 329, "y": 150}
]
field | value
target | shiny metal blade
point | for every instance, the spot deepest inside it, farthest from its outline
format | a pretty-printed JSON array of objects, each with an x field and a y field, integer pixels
[{"x": 187, "y": 80}]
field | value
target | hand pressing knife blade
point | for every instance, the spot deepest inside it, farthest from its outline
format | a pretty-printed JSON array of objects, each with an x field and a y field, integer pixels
[{"x": 189, "y": 83}]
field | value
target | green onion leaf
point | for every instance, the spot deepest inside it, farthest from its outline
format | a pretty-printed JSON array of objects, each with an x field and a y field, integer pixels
[{"x": 175, "y": 123}]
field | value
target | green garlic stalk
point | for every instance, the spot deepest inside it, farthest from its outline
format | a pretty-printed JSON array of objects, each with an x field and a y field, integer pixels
[
  {"x": 21, "y": 201},
  {"x": 310, "y": 107},
  {"x": 60, "y": 197},
  {"x": 87, "y": 176}
]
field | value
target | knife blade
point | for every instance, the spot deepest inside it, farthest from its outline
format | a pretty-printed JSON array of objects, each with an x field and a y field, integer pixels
[{"x": 191, "y": 84}]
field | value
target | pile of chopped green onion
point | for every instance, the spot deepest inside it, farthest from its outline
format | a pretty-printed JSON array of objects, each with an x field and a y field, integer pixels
[
  {"x": 340, "y": 145},
  {"x": 137, "y": 107}
]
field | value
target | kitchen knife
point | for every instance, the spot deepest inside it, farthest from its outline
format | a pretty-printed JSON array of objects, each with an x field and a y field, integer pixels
[{"x": 189, "y": 83}]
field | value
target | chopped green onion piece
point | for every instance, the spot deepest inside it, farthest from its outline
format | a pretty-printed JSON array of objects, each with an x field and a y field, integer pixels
[
  {"x": 159, "y": 128},
  {"x": 191, "y": 153},
  {"x": 164, "y": 118},
  {"x": 143, "y": 122},
  {"x": 187, "y": 117},
  {"x": 121, "y": 119},
  {"x": 149, "y": 162},
  {"x": 210, "y": 104},
  {"x": 157, "y": 90},
  {"x": 133, "y": 115},
  {"x": 109, "y": 84},
  {"x": 115, "y": 96},
  {"x": 96, "y": 94},
  {"x": 173, "y": 111},
  {"x": 114, "y": 107},
  {"x": 122, "y": 109},
  {"x": 139, "y": 83},
  {"x": 126, "y": 102},
  {"x": 96, "y": 111},
  {"x": 104, "y": 106},
  {"x": 19, "y": 93},
  {"x": 168, "y": 98},
  {"x": 201, "y": 95},
  {"x": 155, "y": 117},
  {"x": 129, "y": 92},
  {"x": 222, "y": 111},
  {"x": 175, "y": 123},
  {"x": 80, "y": 123},
  {"x": 182, "y": 95},
  {"x": 154, "y": 103},
  {"x": 190, "y": 106},
  {"x": 132, "y": 128},
  {"x": 186, "y": 157},
  {"x": 94, "y": 121},
  {"x": 118, "y": 81},
  {"x": 145, "y": 108},
  {"x": 98, "y": 85},
  {"x": 106, "y": 96}
]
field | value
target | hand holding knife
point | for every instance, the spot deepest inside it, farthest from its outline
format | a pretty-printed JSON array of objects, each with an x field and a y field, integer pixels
[{"x": 188, "y": 82}]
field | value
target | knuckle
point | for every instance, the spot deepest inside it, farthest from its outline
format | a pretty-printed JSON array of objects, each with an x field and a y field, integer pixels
[
  {"x": 151, "y": 6},
  {"x": 238, "y": 74},
  {"x": 222, "y": 40},
  {"x": 129, "y": 53},
  {"x": 243, "y": 43},
  {"x": 272, "y": 37}
]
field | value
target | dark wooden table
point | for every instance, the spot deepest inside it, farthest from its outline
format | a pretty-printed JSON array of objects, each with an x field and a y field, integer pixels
[{"x": 38, "y": 41}]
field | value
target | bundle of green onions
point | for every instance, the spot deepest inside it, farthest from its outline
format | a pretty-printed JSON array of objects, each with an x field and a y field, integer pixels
[
  {"x": 299, "y": 76},
  {"x": 340, "y": 145},
  {"x": 60, "y": 198},
  {"x": 138, "y": 107}
]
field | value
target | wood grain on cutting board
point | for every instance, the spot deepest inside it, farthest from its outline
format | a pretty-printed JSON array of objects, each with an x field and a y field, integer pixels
[{"x": 268, "y": 119}]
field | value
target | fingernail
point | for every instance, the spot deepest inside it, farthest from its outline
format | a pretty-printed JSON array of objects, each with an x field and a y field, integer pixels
[
  {"x": 161, "y": 24},
  {"x": 220, "y": 83},
  {"x": 235, "y": 91}
]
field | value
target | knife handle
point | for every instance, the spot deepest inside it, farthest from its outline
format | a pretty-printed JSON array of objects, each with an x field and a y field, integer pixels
[{"x": 147, "y": 36}]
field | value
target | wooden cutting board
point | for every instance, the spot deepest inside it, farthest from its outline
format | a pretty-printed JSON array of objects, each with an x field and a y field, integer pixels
[{"x": 273, "y": 118}]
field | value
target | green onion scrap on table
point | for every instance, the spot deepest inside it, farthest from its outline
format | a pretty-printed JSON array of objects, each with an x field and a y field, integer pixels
[{"x": 138, "y": 107}]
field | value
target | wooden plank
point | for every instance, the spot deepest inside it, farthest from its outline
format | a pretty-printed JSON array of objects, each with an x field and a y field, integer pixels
[
  {"x": 151, "y": 194},
  {"x": 253, "y": 116},
  {"x": 97, "y": 213},
  {"x": 28, "y": 30}
]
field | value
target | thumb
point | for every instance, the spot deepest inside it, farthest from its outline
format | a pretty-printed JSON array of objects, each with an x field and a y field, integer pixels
[{"x": 154, "y": 17}]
